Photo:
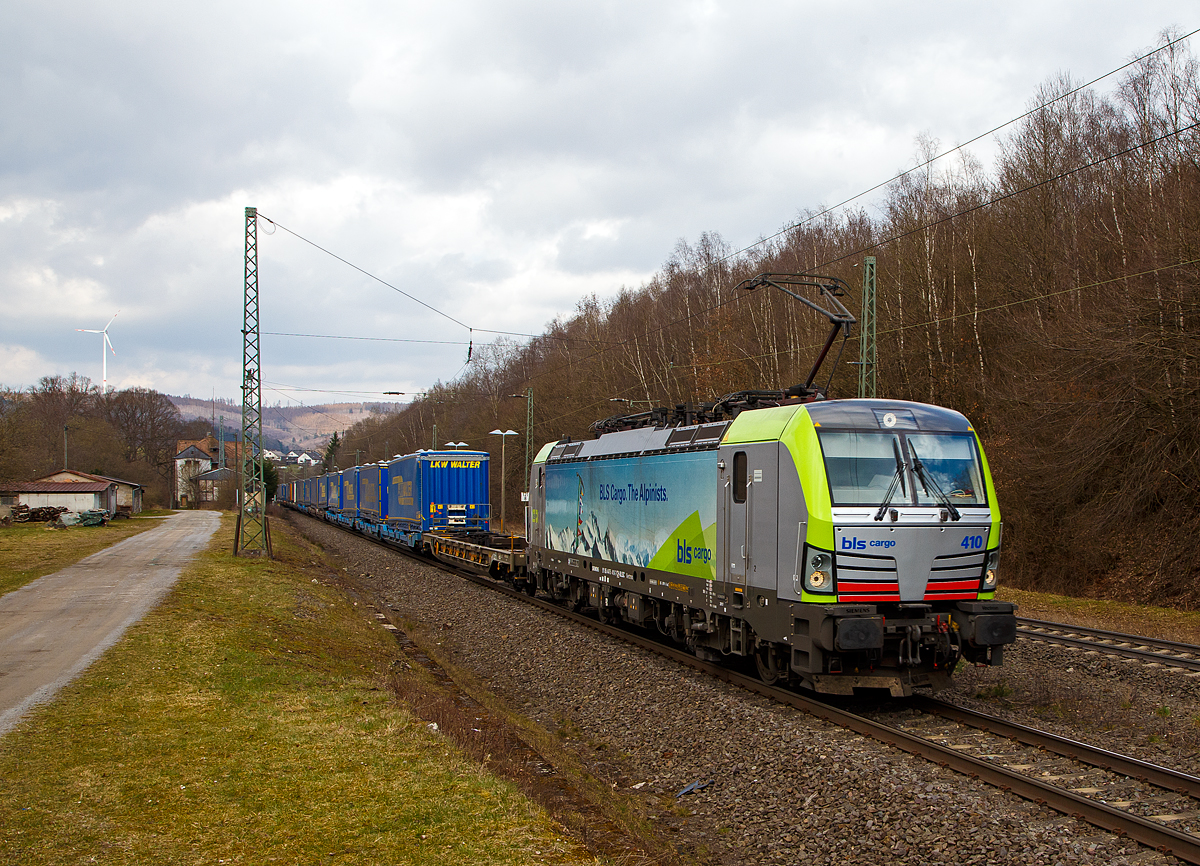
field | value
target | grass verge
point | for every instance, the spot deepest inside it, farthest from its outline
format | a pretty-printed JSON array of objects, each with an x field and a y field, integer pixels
[
  {"x": 613, "y": 823},
  {"x": 246, "y": 720},
  {"x": 1145, "y": 620},
  {"x": 32, "y": 550}
]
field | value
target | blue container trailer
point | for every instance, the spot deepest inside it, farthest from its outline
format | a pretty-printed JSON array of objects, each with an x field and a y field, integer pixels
[
  {"x": 324, "y": 487},
  {"x": 347, "y": 482},
  {"x": 372, "y": 509},
  {"x": 432, "y": 490}
]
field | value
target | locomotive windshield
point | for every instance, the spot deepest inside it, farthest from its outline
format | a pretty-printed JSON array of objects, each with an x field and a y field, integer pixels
[{"x": 861, "y": 466}]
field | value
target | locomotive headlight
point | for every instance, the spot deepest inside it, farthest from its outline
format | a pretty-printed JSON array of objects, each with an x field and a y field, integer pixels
[
  {"x": 991, "y": 571},
  {"x": 818, "y": 577}
]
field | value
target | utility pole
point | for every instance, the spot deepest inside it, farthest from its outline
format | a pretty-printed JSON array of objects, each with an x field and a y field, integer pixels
[
  {"x": 528, "y": 431},
  {"x": 252, "y": 537},
  {"x": 866, "y": 338},
  {"x": 64, "y": 447},
  {"x": 528, "y": 398}
]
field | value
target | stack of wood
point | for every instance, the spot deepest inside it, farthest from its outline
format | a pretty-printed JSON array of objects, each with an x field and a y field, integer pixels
[{"x": 25, "y": 514}]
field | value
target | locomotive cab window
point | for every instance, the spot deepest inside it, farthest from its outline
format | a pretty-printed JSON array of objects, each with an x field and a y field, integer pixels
[
  {"x": 863, "y": 466},
  {"x": 860, "y": 466},
  {"x": 739, "y": 476},
  {"x": 950, "y": 464}
]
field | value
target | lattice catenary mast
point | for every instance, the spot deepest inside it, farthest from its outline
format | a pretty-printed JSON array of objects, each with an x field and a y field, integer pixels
[
  {"x": 253, "y": 537},
  {"x": 866, "y": 338}
]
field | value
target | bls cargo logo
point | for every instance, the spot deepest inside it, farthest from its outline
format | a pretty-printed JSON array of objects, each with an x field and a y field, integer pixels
[
  {"x": 684, "y": 554},
  {"x": 856, "y": 543}
]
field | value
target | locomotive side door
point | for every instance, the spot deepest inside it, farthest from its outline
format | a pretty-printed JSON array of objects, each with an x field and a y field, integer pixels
[
  {"x": 535, "y": 511},
  {"x": 746, "y": 524}
]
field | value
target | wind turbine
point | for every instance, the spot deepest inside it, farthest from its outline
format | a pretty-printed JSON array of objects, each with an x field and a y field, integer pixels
[{"x": 103, "y": 356}]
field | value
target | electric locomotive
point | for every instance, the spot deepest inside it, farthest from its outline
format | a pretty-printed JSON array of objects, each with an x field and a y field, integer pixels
[{"x": 842, "y": 544}]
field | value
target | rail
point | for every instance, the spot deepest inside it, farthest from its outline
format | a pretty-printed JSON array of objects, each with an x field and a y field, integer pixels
[
  {"x": 1165, "y": 652},
  {"x": 1155, "y": 834}
]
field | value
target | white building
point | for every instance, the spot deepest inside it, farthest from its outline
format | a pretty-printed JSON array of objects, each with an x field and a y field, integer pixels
[{"x": 129, "y": 493}]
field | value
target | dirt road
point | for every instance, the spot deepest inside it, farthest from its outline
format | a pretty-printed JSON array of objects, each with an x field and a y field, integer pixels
[{"x": 53, "y": 628}]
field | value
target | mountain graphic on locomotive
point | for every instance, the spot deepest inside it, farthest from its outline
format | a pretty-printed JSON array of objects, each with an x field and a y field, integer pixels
[{"x": 842, "y": 544}]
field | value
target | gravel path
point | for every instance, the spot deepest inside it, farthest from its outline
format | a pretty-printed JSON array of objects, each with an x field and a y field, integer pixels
[{"x": 786, "y": 788}]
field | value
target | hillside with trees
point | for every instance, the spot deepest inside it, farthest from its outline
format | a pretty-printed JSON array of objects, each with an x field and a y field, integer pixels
[
  {"x": 129, "y": 434},
  {"x": 284, "y": 427},
  {"x": 1052, "y": 299}
]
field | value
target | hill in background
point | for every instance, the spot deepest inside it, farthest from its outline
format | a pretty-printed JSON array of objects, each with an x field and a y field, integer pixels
[{"x": 285, "y": 427}]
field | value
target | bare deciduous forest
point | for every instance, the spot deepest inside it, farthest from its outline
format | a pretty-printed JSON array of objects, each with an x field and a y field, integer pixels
[
  {"x": 1053, "y": 301},
  {"x": 129, "y": 434}
]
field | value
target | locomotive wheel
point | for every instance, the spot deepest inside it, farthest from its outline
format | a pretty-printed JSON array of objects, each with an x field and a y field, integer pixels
[{"x": 764, "y": 660}]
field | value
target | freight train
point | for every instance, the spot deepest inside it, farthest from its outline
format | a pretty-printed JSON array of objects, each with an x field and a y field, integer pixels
[
  {"x": 432, "y": 502},
  {"x": 841, "y": 546}
]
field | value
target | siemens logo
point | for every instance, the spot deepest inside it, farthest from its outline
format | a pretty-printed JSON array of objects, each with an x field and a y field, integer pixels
[{"x": 855, "y": 543}]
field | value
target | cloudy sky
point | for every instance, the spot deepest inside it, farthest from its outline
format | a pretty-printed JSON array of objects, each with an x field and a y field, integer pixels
[{"x": 496, "y": 160}]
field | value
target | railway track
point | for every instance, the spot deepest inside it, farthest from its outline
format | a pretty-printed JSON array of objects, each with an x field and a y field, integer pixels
[
  {"x": 1164, "y": 652},
  {"x": 1155, "y": 806}
]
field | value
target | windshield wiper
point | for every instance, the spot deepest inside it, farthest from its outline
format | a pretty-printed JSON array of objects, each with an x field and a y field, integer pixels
[
  {"x": 930, "y": 484},
  {"x": 898, "y": 477}
]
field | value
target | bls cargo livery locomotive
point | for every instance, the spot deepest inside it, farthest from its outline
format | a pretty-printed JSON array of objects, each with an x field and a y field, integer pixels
[{"x": 844, "y": 545}]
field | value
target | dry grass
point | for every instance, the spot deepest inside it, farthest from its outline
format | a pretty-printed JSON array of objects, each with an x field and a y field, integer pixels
[
  {"x": 468, "y": 713},
  {"x": 246, "y": 721},
  {"x": 31, "y": 550},
  {"x": 1160, "y": 622}
]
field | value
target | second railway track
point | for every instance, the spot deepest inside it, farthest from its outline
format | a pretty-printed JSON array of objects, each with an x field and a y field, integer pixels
[
  {"x": 1154, "y": 650},
  {"x": 1122, "y": 795}
]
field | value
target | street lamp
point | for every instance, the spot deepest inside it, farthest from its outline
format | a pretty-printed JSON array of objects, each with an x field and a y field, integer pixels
[
  {"x": 456, "y": 445},
  {"x": 502, "y": 434}
]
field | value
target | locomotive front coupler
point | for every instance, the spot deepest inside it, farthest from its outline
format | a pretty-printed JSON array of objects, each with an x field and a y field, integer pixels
[
  {"x": 901, "y": 619},
  {"x": 911, "y": 626}
]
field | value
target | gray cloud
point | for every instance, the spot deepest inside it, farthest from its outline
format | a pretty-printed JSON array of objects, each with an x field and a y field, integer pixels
[{"x": 498, "y": 161}]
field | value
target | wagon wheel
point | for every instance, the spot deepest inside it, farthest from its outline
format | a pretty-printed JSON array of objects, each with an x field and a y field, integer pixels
[{"x": 764, "y": 660}]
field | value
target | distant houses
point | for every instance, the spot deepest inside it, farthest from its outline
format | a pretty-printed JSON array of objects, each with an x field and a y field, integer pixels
[
  {"x": 293, "y": 458},
  {"x": 194, "y": 460}
]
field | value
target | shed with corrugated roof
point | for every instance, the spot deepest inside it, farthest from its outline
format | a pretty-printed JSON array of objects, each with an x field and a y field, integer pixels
[{"x": 72, "y": 495}]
